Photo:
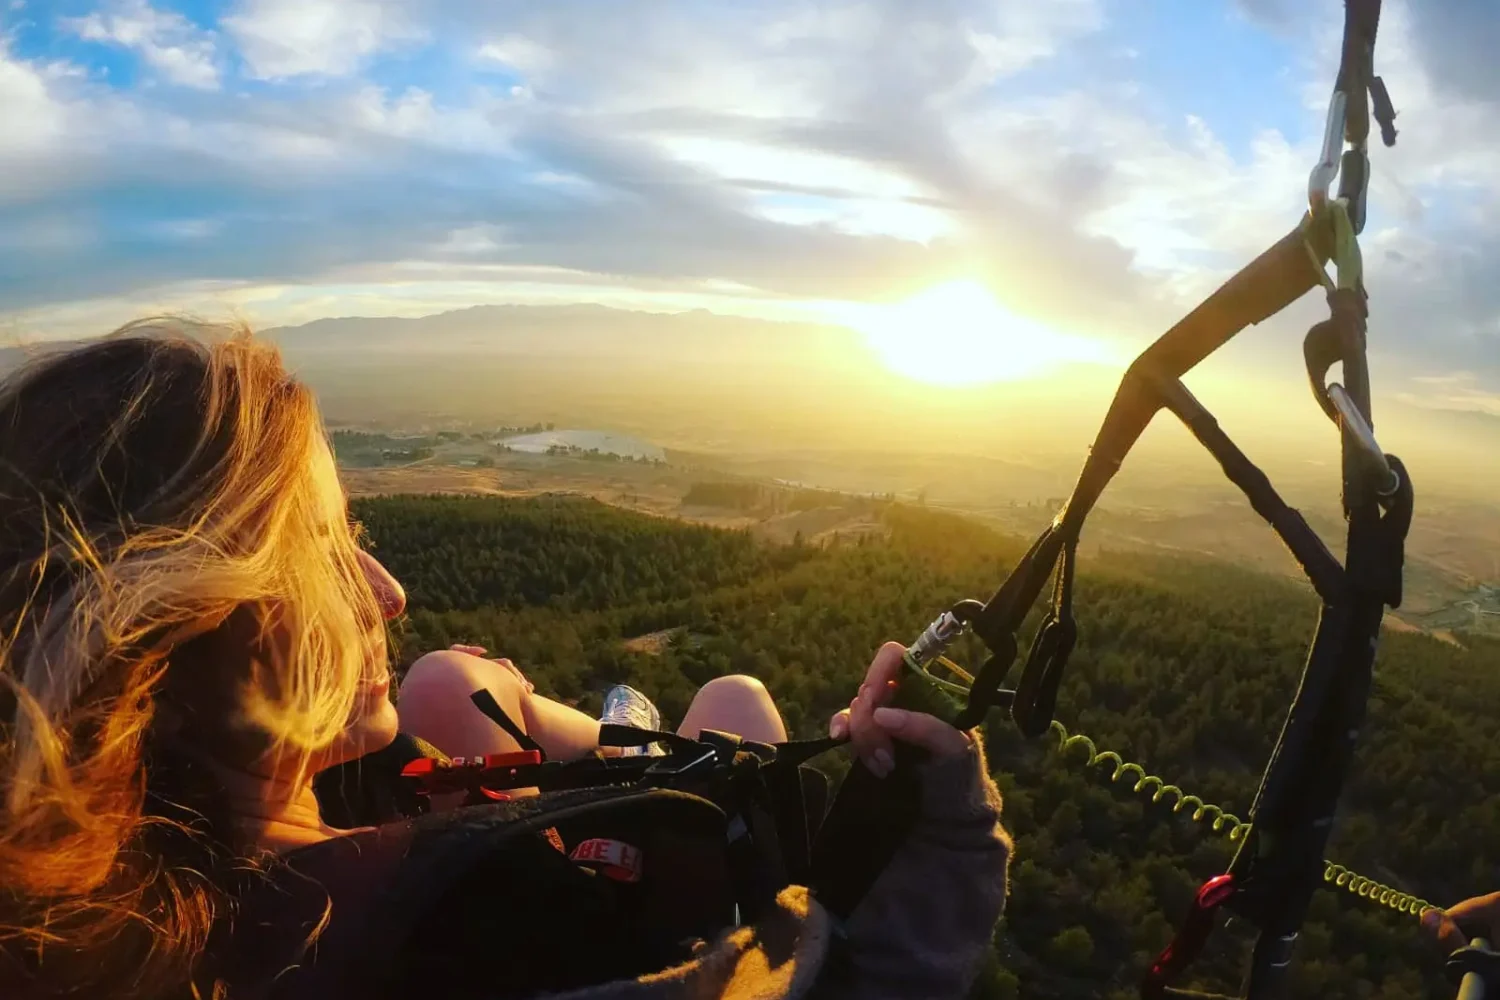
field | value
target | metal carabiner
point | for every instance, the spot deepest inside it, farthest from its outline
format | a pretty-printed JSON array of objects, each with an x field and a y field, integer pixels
[
  {"x": 1354, "y": 424},
  {"x": 1320, "y": 181}
]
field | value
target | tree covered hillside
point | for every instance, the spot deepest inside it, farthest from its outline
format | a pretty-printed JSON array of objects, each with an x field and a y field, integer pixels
[{"x": 1185, "y": 666}]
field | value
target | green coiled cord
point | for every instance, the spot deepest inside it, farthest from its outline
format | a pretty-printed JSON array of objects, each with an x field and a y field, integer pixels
[
  {"x": 1219, "y": 820},
  {"x": 1228, "y": 824},
  {"x": 1222, "y": 822}
]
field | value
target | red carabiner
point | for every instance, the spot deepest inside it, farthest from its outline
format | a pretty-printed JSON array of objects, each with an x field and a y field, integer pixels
[{"x": 1190, "y": 938}]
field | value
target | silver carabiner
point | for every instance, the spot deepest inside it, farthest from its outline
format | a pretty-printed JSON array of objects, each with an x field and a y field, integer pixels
[
  {"x": 1353, "y": 422},
  {"x": 1320, "y": 181}
]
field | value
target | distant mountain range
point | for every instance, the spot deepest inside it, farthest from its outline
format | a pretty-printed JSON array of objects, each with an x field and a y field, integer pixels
[
  {"x": 701, "y": 337},
  {"x": 695, "y": 378},
  {"x": 574, "y": 330}
]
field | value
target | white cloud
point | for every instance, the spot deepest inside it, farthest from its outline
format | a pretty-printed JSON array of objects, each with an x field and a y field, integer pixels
[
  {"x": 797, "y": 187},
  {"x": 33, "y": 116},
  {"x": 519, "y": 53},
  {"x": 1453, "y": 391},
  {"x": 169, "y": 42},
  {"x": 744, "y": 161},
  {"x": 1171, "y": 195},
  {"x": 410, "y": 114},
  {"x": 43, "y": 119},
  {"x": 288, "y": 38},
  {"x": 1027, "y": 33},
  {"x": 860, "y": 216},
  {"x": 469, "y": 241}
]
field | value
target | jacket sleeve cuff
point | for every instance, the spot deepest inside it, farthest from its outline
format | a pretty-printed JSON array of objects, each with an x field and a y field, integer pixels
[{"x": 958, "y": 790}]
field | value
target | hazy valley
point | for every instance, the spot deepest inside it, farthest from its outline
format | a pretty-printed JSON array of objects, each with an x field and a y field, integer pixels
[{"x": 722, "y": 398}]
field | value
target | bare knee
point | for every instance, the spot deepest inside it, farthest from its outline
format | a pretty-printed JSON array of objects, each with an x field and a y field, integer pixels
[
  {"x": 434, "y": 703},
  {"x": 736, "y": 703},
  {"x": 736, "y": 687},
  {"x": 447, "y": 673}
]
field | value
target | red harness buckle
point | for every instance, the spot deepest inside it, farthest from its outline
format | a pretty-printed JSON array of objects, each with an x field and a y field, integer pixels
[{"x": 435, "y": 775}]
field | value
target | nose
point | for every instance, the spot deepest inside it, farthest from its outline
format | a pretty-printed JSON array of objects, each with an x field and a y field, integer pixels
[{"x": 388, "y": 592}]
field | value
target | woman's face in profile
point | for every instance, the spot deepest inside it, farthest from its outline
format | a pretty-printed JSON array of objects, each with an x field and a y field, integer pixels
[{"x": 373, "y": 723}]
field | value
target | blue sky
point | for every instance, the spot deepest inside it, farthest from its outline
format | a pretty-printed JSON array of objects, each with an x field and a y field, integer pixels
[{"x": 1099, "y": 164}]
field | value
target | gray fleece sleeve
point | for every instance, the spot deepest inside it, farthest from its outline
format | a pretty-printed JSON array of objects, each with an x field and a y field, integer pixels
[{"x": 923, "y": 927}]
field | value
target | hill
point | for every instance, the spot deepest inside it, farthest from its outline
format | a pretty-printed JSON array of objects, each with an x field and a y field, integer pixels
[{"x": 1184, "y": 664}]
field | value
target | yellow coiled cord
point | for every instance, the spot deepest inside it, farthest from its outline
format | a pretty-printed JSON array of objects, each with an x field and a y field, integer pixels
[
  {"x": 1228, "y": 824},
  {"x": 1372, "y": 891},
  {"x": 1221, "y": 822},
  {"x": 1217, "y": 819}
]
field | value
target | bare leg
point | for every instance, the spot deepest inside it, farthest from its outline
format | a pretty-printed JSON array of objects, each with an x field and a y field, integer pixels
[
  {"x": 735, "y": 704},
  {"x": 435, "y": 706}
]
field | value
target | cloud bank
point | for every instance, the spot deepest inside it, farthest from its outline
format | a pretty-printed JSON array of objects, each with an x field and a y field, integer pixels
[{"x": 1101, "y": 164}]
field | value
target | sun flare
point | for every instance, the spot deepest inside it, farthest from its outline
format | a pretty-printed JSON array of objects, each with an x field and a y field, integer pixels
[{"x": 958, "y": 334}]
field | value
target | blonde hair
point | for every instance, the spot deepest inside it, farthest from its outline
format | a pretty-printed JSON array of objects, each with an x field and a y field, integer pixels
[{"x": 170, "y": 592}]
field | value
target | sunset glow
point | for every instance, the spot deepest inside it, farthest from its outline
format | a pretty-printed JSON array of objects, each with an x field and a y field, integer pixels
[{"x": 958, "y": 333}]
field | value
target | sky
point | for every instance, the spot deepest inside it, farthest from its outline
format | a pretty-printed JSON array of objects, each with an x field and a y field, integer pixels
[{"x": 1098, "y": 165}]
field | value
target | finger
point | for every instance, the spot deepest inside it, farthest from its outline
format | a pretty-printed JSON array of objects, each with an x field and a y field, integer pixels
[
  {"x": 870, "y": 741},
  {"x": 1479, "y": 911},
  {"x": 1444, "y": 930},
  {"x": 838, "y": 726},
  {"x": 922, "y": 730},
  {"x": 516, "y": 671},
  {"x": 1477, "y": 916},
  {"x": 471, "y": 650}
]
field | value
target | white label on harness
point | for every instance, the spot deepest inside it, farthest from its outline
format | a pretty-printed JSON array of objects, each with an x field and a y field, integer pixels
[{"x": 614, "y": 858}]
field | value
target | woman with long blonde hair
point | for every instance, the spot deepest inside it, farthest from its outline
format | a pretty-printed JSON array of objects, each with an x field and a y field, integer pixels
[
  {"x": 189, "y": 629},
  {"x": 190, "y": 632}
]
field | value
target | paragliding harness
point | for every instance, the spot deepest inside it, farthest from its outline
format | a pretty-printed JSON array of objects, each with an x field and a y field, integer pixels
[
  {"x": 773, "y": 801},
  {"x": 631, "y": 858}
]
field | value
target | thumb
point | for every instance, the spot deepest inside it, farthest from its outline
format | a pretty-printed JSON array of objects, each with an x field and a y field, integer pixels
[
  {"x": 1474, "y": 917},
  {"x": 922, "y": 730},
  {"x": 1441, "y": 926}
]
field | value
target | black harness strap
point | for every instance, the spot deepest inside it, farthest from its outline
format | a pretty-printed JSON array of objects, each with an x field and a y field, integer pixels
[{"x": 486, "y": 703}]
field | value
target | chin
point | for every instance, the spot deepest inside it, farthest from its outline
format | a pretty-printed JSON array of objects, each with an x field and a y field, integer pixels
[
  {"x": 378, "y": 728},
  {"x": 373, "y": 731}
]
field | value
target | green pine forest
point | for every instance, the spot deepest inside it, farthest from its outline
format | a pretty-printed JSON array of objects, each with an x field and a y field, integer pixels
[{"x": 1184, "y": 665}]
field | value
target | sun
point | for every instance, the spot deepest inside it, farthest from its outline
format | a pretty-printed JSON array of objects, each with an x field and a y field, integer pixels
[{"x": 958, "y": 334}]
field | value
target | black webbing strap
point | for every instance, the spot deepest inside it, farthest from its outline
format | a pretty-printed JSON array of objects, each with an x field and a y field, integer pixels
[{"x": 486, "y": 703}]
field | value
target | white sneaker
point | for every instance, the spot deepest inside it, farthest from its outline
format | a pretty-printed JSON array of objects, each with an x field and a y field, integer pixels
[{"x": 625, "y": 706}]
